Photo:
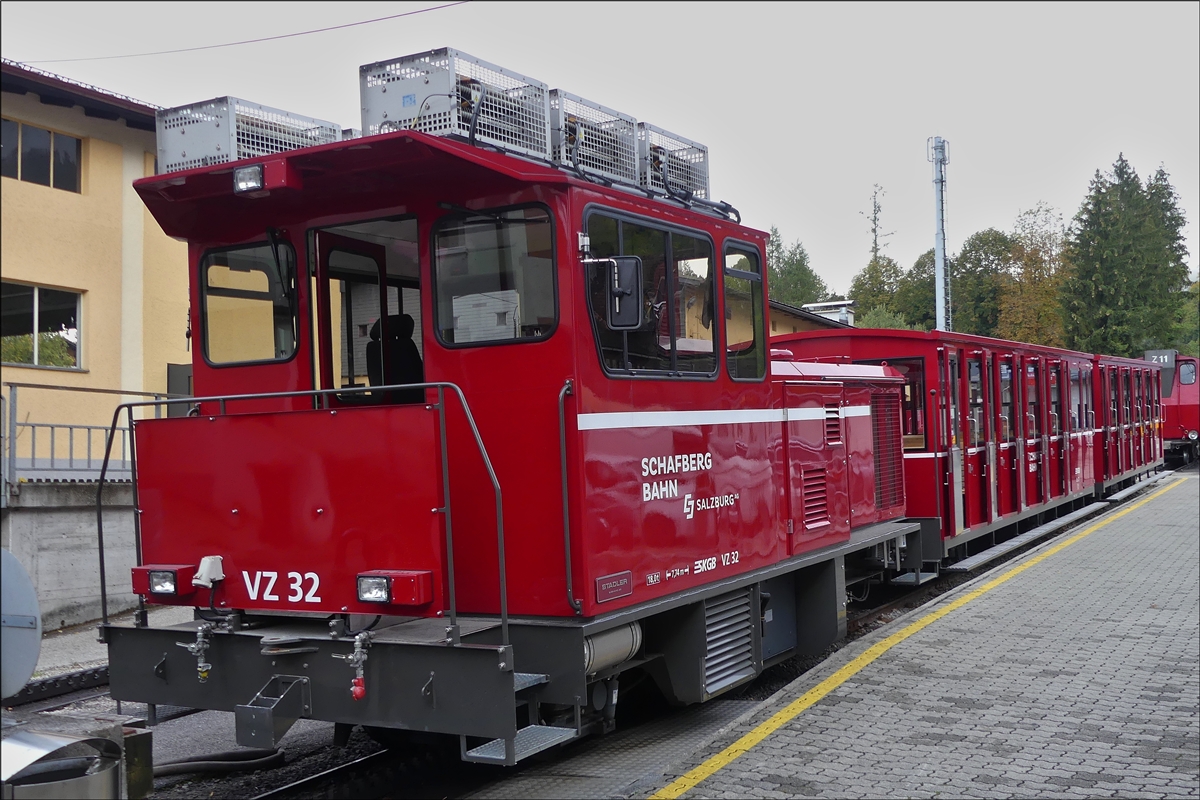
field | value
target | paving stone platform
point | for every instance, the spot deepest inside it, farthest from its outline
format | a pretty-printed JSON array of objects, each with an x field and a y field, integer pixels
[{"x": 1077, "y": 677}]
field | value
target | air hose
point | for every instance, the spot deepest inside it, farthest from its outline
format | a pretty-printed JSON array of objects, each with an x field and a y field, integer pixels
[{"x": 227, "y": 761}]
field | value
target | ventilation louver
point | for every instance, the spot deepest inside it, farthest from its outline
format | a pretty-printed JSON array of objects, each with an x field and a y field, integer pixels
[{"x": 729, "y": 640}]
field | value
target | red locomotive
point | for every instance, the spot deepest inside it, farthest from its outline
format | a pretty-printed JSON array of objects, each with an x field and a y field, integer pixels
[
  {"x": 477, "y": 433},
  {"x": 1180, "y": 404}
]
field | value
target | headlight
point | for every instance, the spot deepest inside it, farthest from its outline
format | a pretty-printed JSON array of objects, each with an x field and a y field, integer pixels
[
  {"x": 374, "y": 589},
  {"x": 248, "y": 179},
  {"x": 1193, "y": 435},
  {"x": 162, "y": 582}
]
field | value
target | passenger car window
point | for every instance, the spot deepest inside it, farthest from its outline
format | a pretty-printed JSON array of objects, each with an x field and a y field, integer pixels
[
  {"x": 249, "y": 304},
  {"x": 494, "y": 277}
]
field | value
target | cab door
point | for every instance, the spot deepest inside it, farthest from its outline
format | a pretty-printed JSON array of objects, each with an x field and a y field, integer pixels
[
  {"x": 346, "y": 266},
  {"x": 1035, "y": 433},
  {"x": 1008, "y": 460},
  {"x": 976, "y": 484}
]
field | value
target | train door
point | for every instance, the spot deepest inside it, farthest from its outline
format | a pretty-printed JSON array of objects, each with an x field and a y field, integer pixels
[
  {"x": 1058, "y": 444},
  {"x": 951, "y": 386},
  {"x": 1035, "y": 430},
  {"x": 977, "y": 477},
  {"x": 1126, "y": 417},
  {"x": 1112, "y": 425},
  {"x": 1008, "y": 456},
  {"x": 990, "y": 438},
  {"x": 1086, "y": 462},
  {"x": 1075, "y": 424}
]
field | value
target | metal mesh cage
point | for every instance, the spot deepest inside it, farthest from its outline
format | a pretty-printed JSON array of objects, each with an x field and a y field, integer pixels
[
  {"x": 436, "y": 92},
  {"x": 229, "y": 129},
  {"x": 686, "y": 161},
  {"x": 601, "y": 140}
]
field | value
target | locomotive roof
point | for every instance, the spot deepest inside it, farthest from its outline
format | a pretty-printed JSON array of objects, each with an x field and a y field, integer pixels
[{"x": 362, "y": 176}]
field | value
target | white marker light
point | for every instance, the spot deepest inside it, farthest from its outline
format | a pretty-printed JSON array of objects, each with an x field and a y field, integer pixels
[
  {"x": 162, "y": 582},
  {"x": 374, "y": 589},
  {"x": 248, "y": 179}
]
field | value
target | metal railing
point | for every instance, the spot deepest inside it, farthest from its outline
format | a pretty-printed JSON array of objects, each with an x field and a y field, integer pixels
[
  {"x": 322, "y": 395},
  {"x": 63, "y": 450}
]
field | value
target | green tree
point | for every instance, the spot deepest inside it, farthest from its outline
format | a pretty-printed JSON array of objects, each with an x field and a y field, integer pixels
[
  {"x": 884, "y": 318},
  {"x": 875, "y": 286},
  {"x": 792, "y": 280},
  {"x": 1187, "y": 339},
  {"x": 915, "y": 298},
  {"x": 982, "y": 272},
  {"x": 1029, "y": 304},
  {"x": 1126, "y": 271}
]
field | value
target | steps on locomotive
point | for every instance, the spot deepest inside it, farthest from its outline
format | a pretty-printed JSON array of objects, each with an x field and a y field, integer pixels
[
  {"x": 992, "y": 553},
  {"x": 527, "y": 742},
  {"x": 913, "y": 578}
]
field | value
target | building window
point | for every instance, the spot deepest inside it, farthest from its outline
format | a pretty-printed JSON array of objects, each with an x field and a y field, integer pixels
[
  {"x": 40, "y": 156},
  {"x": 52, "y": 313}
]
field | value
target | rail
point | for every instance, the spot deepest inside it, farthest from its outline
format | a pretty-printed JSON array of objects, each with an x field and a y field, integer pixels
[
  {"x": 323, "y": 396},
  {"x": 82, "y": 442}
]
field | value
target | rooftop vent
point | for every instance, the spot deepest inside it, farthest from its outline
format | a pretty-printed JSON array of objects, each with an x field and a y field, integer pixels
[
  {"x": 437, "y": 92},
  {"x": 228, "y": 129}
]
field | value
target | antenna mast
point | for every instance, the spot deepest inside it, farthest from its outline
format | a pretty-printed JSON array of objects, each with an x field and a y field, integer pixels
[{"x": 941, "y": 279}]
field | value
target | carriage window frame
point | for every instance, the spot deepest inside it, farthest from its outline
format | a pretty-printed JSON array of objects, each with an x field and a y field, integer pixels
[
  {"x": 435, "y": 288},
  {"x": 287, "y": 261},
  {"x": 597, "y": 314},
  {"x": 733, "y": 246},
  {"x": 914, "y": 405}
]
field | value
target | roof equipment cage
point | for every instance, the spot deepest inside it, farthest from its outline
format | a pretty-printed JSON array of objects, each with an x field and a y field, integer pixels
[
  {"x": 436, "y": 92},
  {"x": 686, "y": 162},
  {"x": 229, "y": 129},
  {"x": 597, "y": 139}
]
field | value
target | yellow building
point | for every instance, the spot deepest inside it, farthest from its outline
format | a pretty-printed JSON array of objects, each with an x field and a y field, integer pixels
[{"x": 95, "y": 296}]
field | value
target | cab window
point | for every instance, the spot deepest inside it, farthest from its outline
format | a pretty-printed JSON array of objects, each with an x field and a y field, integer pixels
[
  {"x": 745, "y": 338},
  {"x": 249, "y": 301},
  {"x": 1187, "y": 373},
  {"x": 494, "y": 277},
  {"x": 677, "y": 334}
]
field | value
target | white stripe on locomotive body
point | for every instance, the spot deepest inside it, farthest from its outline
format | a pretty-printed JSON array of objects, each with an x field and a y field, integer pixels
[
  {"x": 926, "y": 455},
  {"x": 668, "y": 419}
]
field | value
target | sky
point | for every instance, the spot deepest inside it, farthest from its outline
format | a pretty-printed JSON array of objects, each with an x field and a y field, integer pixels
[{"x": 803, "y": 107}]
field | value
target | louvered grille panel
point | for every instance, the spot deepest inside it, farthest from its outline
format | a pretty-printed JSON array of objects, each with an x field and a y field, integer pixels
[
  {"x": 729, "y": 638},
  {"x": 833, "y": 423},
  {"x": 816, "y": 497},
  {"x": 889, "y": 455}
]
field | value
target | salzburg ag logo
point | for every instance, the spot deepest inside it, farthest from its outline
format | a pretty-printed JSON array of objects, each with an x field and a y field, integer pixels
[{"x": 690, "y": 506}]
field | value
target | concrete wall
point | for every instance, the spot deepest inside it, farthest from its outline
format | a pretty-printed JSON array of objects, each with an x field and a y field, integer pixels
[{"x": 51, "y": 529}]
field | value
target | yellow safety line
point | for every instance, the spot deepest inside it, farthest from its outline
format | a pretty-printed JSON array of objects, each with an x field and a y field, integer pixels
[{"x": 743, "y": 745}]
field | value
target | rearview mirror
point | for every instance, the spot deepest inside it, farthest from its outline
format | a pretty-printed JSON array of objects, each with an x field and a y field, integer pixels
[{"x": 624, "y": 292}]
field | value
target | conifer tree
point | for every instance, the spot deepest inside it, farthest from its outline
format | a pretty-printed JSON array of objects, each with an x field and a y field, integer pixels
[
  {"x": 1126, "y": 270},
  {"x": 792, "y": 280}
]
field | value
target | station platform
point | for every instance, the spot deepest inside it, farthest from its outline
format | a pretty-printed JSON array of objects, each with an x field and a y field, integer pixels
[{"x": 1073, "y": 671}]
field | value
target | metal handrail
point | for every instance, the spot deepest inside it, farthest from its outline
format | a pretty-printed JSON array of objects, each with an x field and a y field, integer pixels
[
  {"x": 324, "y": 394},
  {"x": 568, "y": 388}
]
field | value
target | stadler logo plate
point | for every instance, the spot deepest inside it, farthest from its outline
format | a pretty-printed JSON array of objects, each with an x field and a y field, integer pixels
[{"x": 610, "y": 587}]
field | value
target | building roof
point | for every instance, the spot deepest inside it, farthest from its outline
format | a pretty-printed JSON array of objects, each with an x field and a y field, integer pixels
[
  {"x": 55, "y": 90},
  {"x": 808, "y": 315}
]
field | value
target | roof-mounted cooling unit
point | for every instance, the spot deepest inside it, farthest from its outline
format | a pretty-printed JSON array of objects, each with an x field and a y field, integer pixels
[
  {"x": 686, "y": 162},
  {"x": 598, "y": 140},
  {"x": 228, "y": 129},
  {"x": 437, "y": 92}
]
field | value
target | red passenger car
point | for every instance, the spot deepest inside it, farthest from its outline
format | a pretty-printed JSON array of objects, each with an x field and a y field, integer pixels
[
  {"x": 1008, "y": 434},
  {"x": 1180, "y": 405},
  {"x": 476, "y": 435}
]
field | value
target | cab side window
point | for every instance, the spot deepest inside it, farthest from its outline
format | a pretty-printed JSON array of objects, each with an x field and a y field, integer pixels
[
  {"x": 677, "y": 333},
  {"x": 745, "y": 337}
]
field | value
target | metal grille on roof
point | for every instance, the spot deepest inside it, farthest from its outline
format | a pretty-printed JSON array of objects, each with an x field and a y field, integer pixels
[
  {"x": 686, "y": 161},
  {"x": 604, "y": 141},
  {"x": 228, "y": 129},
  {"x": 436, "y": 92}
]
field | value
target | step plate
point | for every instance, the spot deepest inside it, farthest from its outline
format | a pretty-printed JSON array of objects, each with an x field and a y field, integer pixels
[
  {"x": 992, "y": 553},
  {"x": 913, "y": 579},
  {"x": 523, "y": 680},
  {"x": 533, "y": 739}
]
